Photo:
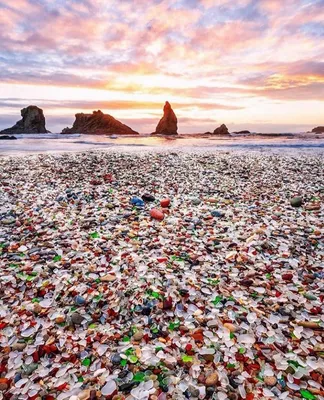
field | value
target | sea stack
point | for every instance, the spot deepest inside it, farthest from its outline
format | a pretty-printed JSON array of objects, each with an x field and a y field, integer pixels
[
  {"x": 221, "y": 130},
  {"x": 168, "y": 124},
  {"x": 98, "y": 123},
  {"x": 33, "y": 121},
  {"x": 318, "y": 129}
]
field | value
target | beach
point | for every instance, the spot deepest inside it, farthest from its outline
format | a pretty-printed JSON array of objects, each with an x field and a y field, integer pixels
[{"x": 217, "y": 293}]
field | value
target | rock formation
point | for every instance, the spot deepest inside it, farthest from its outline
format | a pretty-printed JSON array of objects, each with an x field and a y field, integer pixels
[
  {"x": 33, "y": 121},
  {"x": 318, "y": 129},
  {"x": 221, "y": 130},
  {"x": 242, "y": 132},
  {"x": 98, "y": 123},
  {"x": 168, "y": 124},
  {"x": 7, "y": 137}
]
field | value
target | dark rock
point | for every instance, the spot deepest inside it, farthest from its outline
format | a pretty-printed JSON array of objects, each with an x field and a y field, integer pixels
[
  {"x": 221, "y": 130},
  {"x": 127, "y": 387},
  {"x": 116, "y": 359},
  {"x": 296, "y": 201},
  {"x": 77, "y": 318},
  {"x": 146, "y": 310},
  {"x": 168, "y": 124},
  {"x": 318, "y": 129},
  {"x": 33, "y": 121},
  {"x": 98, "y": 123},
  {"x": 7, "y": 137},
  {"x": 148, "y": 197},
  {"x": 217, "y": 213},
  {"x": 242, "y": 132}
]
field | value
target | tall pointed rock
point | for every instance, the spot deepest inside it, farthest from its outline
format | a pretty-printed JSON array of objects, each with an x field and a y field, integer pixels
[{"x": 168, "y": 124}]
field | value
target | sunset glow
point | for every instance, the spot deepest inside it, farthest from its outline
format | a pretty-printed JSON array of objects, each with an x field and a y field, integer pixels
[{"x": 252, "y": 64}]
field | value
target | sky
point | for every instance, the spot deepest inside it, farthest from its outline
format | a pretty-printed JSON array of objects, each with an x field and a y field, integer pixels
[{"x": 251, "y": 64}]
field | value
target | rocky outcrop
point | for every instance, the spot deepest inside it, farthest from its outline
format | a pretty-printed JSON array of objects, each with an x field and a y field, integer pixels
[
  {"x": 98, "y": 123},
  {"x": 168, "y": 124},
  {"x": 242, "y": 132},
  {"x": 318, "y": 129},
  {"x": 7, "y": 137},
  {"x": 221, "y": 130},
  {"x": 33, "y": 121}
]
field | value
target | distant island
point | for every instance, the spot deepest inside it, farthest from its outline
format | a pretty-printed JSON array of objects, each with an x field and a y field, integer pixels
[
  {"x": 318, "y": 129},
  {"x": 33, "y": 121},
  {"x": 98, "y": 123}
]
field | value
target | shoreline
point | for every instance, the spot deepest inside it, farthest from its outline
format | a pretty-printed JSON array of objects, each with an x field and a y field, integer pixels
[{"x": 55, "y": 144}]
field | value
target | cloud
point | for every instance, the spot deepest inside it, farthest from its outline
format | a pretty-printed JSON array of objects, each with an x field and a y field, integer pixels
[
  {"x": 216, "y": 54},
  {"x": 112, "y": 105}
]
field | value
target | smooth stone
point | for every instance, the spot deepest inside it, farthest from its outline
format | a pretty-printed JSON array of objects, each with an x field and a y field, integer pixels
[
  {"x": 77, "y": 318},
  {"x": 212, "y": 379},
  {"x": 156, "y": 214},
  {"x": 116, "y": 359},
  {"x": 79, "y": 300},
  {"x": 8, "y": 221},
  {"x": 138, "y": 336},
  {"x": 108, "y": 278},
  {"x": 18, "y": 346},
  {"x": 148, "y": 197},
  {"x": 212, "y": 323},
  {"x": 37, "y": 308},
  {"x": 195, "y": 201},
  {"x": 216, "y": 213},
  {"x": 270, "y": 380},
  {"x": 4, "y": 384},
  {"x": 230, "y": 327},
  {"x": 296, "y": 201},
  {"x": 165, "y": 202},
  {"x": 146, "y": 311},
  {"x": 136, "y": 201}
]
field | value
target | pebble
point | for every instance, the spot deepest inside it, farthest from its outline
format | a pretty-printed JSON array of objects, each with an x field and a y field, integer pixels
[
  {"x": 270, "y": 380},
  {"x": 138, "y": 336},
  {"x": 156, "y": 214},
  {"x": 79, "y": 300},
  {"x": 195, "y": 201},
  {"x": 148, "y": 197},
  {"x": 194, "y": 391},
  {"x": 37, "y": 308},
  {"x": 19, "y": 346},
  {"x": 216, "y": 213},
  {"x": 116, "y": 359},
  {"x": 136, "y": 201},
  {"x": 4, "y": 384},
  {"x": 212, "y": 379},
  {"x": 213, "y": 323},
  {"x": 77, "y": 318},
  {"x": 165, "y": 202},
  {"x": 108, "y": 278},
  {"x": 296, "y": 201}
]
